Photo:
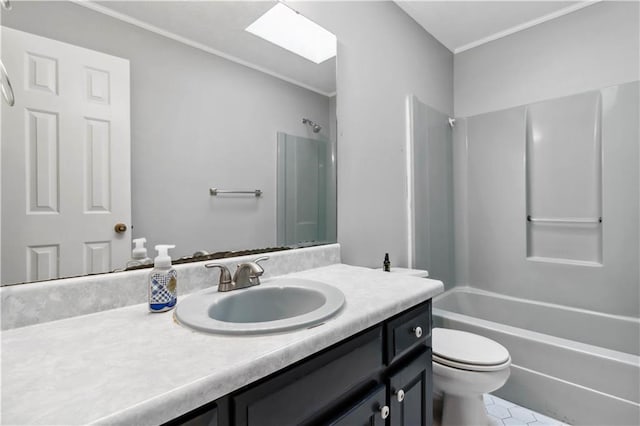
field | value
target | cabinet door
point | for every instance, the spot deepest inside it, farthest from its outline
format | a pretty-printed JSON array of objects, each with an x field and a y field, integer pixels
[
  {"x": 207, "y": 415},
  {"x": 410, "y": 393},
  {"x": 307, "y": 389},
  {"x": 369, "y": 411},
  {"x": 210, "y": 418}
]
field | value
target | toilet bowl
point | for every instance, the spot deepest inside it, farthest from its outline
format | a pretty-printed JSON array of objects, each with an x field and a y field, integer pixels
[{"x": 465, "y": 366}]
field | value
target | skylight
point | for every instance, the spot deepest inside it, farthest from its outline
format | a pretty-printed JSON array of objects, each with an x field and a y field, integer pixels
[{"x": 288, "y": 29}]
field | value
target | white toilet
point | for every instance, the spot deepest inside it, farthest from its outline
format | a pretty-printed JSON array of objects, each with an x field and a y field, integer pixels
[{"x": 465, "y": 366}]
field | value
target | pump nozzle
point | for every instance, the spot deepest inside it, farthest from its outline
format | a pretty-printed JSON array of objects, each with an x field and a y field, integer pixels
[{"x": 163, "y": 259}]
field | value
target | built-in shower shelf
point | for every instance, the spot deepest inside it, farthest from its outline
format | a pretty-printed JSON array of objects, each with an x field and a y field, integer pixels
[
  {"x": 576, "y": 220},
  {"x": 565, "y": 261},
  {"x": 564, "y": 180}
]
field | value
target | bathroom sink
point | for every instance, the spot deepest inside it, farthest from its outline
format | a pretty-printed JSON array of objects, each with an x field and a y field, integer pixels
[{"x": 276, "y": 305}]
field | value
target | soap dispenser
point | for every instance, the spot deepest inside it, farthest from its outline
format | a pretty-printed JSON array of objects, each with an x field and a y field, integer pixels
[
  {"x": 139, "y": 253},
  {"x": 163, "y": 281}
]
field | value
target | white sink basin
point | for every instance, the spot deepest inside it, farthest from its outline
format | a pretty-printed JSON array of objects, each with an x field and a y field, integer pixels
[{"x": 274, "y": 306}]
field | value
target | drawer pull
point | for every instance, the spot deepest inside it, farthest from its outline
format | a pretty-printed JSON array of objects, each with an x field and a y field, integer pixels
[
  {"x": 417, "y": 331},
  {"x": 384, "y": 412},
  {"x": 400, "y": 395}
]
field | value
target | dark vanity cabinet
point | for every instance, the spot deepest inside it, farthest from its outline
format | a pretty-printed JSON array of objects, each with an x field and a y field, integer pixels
[
  {"x": 371, "y": 410},
  {"x": 409, "y": 373},
  {"x": 381, "y": 376},
  {"x": 410, "y": 392},
  {"x": 307, "y": 389}
]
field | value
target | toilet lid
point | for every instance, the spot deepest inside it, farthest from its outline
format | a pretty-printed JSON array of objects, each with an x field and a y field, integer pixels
[{"x": 460, "y": 349}]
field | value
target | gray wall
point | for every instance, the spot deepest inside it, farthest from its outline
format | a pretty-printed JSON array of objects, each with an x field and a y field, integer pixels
[
  {"x": 383, "y": 56},
  {"x": 589, "y": 49},
  {"x": 197, "y": 121}
]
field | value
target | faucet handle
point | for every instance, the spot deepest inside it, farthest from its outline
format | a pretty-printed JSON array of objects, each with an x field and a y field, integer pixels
[
  {"x": 260, "y": 259},
  {"x": 248, "y": 273},
  {"x": 224, "y": 282}
]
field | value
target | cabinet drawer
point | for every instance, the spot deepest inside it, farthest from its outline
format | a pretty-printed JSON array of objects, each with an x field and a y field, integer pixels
[
  {"x": 407, "y": 331},
  {"x": 296, "y": 394}
]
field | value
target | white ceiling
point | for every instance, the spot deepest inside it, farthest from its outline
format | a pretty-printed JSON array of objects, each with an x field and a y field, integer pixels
[
  {"x": 461, "y": 25},
  {"x": 218, "y": 27}
]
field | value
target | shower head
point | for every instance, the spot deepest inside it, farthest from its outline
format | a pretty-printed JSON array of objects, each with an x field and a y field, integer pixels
[{"x": 316, "y": 127}]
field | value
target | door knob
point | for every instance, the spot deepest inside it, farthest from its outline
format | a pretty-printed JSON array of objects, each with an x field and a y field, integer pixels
[{"x": 120, "y": 228}]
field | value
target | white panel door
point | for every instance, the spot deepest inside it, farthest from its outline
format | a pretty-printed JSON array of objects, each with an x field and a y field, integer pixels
[{"x": 65, "y": 160}]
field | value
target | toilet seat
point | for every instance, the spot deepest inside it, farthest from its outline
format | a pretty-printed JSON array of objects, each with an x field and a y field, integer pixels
[
  {"x": 470, "y": 367},
  {"x": 468, "y": 351}
]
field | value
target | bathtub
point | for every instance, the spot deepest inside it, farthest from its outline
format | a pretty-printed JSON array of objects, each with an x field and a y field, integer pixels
[{"x": 578, "y": 366}]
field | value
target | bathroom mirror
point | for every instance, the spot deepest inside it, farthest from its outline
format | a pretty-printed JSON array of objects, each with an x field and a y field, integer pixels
[{"x": 206, "y": 101}]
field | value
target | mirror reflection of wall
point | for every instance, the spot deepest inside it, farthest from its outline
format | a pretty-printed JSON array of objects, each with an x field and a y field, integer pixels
[{"x": 198, "y": 120}]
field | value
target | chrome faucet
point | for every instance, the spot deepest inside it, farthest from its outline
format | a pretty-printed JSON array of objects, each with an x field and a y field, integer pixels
[
  {"x": 247, "y": 274},
  {"x": 224, "y": 283}
]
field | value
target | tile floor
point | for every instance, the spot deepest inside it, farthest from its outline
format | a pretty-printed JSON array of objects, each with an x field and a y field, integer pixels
[{"x": 505, "y": 413}]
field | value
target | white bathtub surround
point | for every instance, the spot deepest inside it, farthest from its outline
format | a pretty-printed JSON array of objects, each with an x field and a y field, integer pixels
[
  {"x": 504, "y": 413},
  {"x": 571, "y": 364},
  {"x": 127, "y": 366},
  {"x": 509, "y": 254},
  {"x": 64, "y": 298}
]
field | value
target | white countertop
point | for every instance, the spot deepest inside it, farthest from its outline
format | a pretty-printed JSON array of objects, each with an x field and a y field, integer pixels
[
  {"x": 127, "y": 366},
  {"x": 420, "y": 273}
]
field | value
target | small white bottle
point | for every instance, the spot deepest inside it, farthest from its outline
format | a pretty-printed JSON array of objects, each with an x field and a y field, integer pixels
[
  {"x": 163, "y": 282},
  {"x": 139, "y": 253}
]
